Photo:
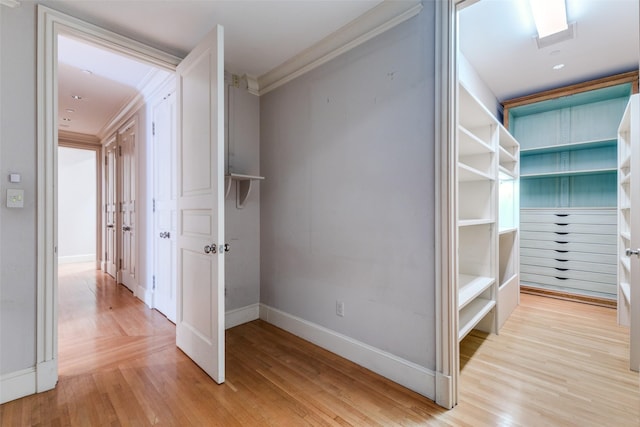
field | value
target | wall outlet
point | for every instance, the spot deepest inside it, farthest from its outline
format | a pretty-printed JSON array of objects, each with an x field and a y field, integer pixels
[{"x": 340, "y": 308}]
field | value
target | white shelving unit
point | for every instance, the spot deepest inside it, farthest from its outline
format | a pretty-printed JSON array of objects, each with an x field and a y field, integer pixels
[
  {"x": 628, "y": 296},
  {"x": 487, "y": 155}
]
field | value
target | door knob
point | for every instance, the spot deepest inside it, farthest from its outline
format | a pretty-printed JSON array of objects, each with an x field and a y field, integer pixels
[
  {"x": 109, "y": 225},
  {"x": 165, "y": 234},
  {"x": 630, "y": 252},
  {"x": 226, "y": 247},
  {"x": 210, "y": 249},
  {"x": 126, "y": 228}
]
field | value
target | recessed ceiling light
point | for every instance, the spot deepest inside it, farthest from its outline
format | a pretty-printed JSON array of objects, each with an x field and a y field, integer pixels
[
  {"x": 558, "y": 66},
  {"x": 78, "y": 97},
  {"x": 66, "y": 119},
  {"x": 70, "y": 110}
]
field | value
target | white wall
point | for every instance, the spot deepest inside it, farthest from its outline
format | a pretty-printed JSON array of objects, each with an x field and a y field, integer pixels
[
  {"x": 76, "y": 205},
  {"x": 470, "y": 78},
  {"x": 348, "y": 203},
  {"x": 18, "y": 154}
]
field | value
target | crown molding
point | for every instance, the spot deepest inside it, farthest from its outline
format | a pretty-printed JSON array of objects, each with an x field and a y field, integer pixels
[
  {"x": 10, "y": 3},
  {"x": 381, "y": 18},
  {"x": 65, "y": 137}
]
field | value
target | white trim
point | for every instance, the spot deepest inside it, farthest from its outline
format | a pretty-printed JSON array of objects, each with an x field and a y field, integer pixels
[
  {"x": 401, "y": 371},
  {"x": 145, "y": 295},
  {"x": 381, "y": 18},
  {"x": 46, "y": 375},
  {"x": 17, "y": 384},
  {"x": 242, "y": 315},
  {"x": 10, "y": 3},
  {"x": 71, "y": 138},
  {"x": 70, "y": 259}
]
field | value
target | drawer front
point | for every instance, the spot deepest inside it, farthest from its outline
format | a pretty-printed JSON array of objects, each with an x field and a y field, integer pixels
[
  {"x": 567, "y": 227},
  {"x": 603, "y": 239},
  {"x": 609, "y": 258},
  {"x": 571, "y": 285},
  {"x": 604, "y": 216},
  {"x": 562, "y": 261},
  {"x": 563, "y": 273},
  {"x": 562, "y": 245}
]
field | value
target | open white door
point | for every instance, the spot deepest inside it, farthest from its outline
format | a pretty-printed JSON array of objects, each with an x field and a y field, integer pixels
[
  {"x": 629, "y": 227},
  {"x": 200, "y": 111}
]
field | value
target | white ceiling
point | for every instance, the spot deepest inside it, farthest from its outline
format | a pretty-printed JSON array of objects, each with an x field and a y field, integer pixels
[{"x": 498, "y": 39}]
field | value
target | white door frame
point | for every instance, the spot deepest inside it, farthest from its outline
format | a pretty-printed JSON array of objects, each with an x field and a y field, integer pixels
[
  {"x": 447, "y": 348},
  {"x": 51, "y": 23}
]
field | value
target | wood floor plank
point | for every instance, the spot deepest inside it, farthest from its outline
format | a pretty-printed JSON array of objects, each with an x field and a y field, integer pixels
[{"x": 554, "y": 363}]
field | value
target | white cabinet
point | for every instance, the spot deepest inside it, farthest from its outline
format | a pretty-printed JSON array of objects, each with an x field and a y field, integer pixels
[
  {"x": 486, "y": 169},
  {"x": 628, "y": 290}
]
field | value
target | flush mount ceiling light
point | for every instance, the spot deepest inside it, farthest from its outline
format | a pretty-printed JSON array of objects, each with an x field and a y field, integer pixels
[
  {"x": 78, "y": 97},
  {"x": 558, "y": 66},
  {"x": 550, "y": 16},
  {"x": 66, "y": 119}
]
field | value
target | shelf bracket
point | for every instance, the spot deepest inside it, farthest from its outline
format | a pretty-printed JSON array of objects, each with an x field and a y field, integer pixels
[{"x": 243, "y": 187}]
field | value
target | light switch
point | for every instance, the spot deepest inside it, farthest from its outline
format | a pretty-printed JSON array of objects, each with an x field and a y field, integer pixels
[
  {"x": 15, "y": 198},
  {"x": 15, "y": 177}
]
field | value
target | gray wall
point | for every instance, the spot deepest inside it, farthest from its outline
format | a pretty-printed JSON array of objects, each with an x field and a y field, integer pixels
[
  {"x": 18, "y": 154},
  {"x": 242, "y": 226},
  {"x": 347, "y": 208}
]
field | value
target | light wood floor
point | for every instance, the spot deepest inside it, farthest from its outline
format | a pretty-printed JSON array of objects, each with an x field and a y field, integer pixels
[{"x": 555, "y": 363}]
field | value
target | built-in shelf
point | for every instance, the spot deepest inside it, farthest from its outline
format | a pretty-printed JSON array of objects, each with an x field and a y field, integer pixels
[
  {"x": 625, "y": 235},
  {"x": 472, "y": 222},
  {"x": 243, "y": 186},
  {"x": 470, "y": 287},
  {"x": 467, "y": 173},
  {"x": 625, "y": 263},
  {"x": 568, "y": 173},
  {"x": 507, "y": 230},
  {"x": 626, "y": 291},
  {"x": 600, "y": 143},
  {"x": 470, "y": 144},
  {"x": 472, "y": 314}
]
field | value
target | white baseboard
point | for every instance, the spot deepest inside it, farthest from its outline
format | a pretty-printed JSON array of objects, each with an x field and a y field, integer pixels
[
  {"x": 145, "y": 295},
  {"x": 403, "y": 372},
  {"x": 242, "y": 315},
  {"x": 17, "y": 384},
  {"x": 444, "y": 393},
  {"x": 76, "y": 258},
  {"x": 46, "y": 375}
]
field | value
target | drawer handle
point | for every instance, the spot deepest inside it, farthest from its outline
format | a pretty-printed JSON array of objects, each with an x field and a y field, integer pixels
[
  {"x": 561, "y": 278},
  {"x": 560, "y": 251},
  {"x": 561, "y": 260},
  {"x": 562, "y": 224},
  {"x": 562, "y": 215},
  {"x": 562, "y": 243},
  {"x": 561, "y": 269},
  {"x": 562, "y": 233}
]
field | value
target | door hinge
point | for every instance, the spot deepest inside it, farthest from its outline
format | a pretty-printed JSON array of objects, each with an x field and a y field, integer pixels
[
  {"x": 120, "y": 264},
  {"x": 105, "y": 256},
  {"x": 153, "y": 128},
  {"x": 120, "y": 150},
  {"x": 154, "y": 283},
  {"x": 106, "y": 160},
  {"x": 154, "y": 205}
]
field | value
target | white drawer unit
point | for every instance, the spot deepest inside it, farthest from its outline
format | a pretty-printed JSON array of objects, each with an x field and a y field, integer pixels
[{"x": 569, "y": 250}]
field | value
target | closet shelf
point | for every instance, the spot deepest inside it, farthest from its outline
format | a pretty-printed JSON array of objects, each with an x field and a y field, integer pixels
[
  {"x": 599, "y": 143},
  {"x": 472, "y": 314},
  {"x": 507, "y": 230},
  {"x": 626, "y": 263},
  {"x": 471, "y": 144},
  {"x": 568, "y": 173},
  {"x": 625, "y": 235},
  {"x": 476, "y": 221},
  {"x": 243, "y": 186},
  {"x": 470, "y": 287},
  {"x": 626, "y": 291},
  {"x": 467, "y": 173}
]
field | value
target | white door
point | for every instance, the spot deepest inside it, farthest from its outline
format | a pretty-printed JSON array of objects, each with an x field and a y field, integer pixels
[
  {"x": 110, "y": 206},
  {"x": 164, "y": 205},
  {"x": 629, "y": 227},
  {"x": 200, "y": 111},
  {"x": 127, "y": 265}
]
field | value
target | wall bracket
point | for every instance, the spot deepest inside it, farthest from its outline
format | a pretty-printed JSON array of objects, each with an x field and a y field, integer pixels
[{"x": 243, "y": 186}]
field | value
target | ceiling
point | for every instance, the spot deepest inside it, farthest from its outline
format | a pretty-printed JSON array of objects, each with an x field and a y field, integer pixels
[
  {"x": 496, "y": 36},
  {"x": 498, "y": 39}
]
